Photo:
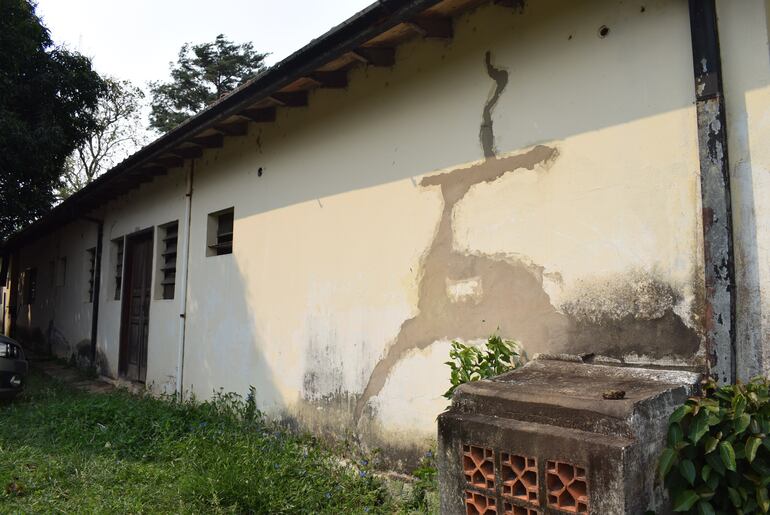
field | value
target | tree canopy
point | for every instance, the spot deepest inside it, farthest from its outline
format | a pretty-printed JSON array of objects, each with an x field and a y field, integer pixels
[
  {"x": 48, "y": 97},
  {"x": 202, "y": 73},
  {"x": 117, "y": 134}
]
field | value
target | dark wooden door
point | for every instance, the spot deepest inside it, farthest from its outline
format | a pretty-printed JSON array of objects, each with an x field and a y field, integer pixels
[{"x": 137, "y": 293}]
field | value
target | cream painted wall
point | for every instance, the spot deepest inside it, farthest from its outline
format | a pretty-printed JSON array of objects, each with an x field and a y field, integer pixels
[
  {"x": 743, "y": 32},
  {"x": 148, "y": 207},
  {"x": 331, "y": 240}
]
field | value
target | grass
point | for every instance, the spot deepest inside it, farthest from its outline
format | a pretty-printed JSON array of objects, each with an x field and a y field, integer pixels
[{"x": 63, "y": 450}]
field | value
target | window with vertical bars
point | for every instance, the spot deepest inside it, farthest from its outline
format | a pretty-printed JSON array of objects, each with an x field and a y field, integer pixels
[
  {"x": 91, "y": 269},
  {"x": 170, "y": 234},
  {"x": 118, "y": 266}
]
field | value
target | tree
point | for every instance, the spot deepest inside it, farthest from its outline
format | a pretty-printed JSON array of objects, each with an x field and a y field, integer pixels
[
  {"x": 48, "y": 96},
  {"x": 118, "y": 133},
  {"x": 201, "y": 75}
]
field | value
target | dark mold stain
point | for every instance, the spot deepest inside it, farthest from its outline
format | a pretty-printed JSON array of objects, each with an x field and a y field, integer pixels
[{"x": 486, "y": 132}]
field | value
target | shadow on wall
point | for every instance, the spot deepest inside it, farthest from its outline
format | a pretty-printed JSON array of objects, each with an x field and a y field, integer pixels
[{"x": 233, "y": 360}]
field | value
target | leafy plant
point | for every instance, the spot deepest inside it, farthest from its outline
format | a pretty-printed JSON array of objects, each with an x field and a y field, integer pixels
[
  {"x": 424, "y": 489},
  {"x": 471, "y": 363},
  {"x": 718, "y": 455}
]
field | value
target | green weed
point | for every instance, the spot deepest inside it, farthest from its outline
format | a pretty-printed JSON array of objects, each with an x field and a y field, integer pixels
[{"x": 63, "y": 450}]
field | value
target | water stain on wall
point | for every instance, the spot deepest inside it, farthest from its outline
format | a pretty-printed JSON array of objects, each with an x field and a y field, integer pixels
[{"x": 505, "y": 294}]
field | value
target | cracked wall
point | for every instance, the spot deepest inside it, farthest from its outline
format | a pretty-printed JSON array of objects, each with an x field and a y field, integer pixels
[{"x": 529, "y": 175}]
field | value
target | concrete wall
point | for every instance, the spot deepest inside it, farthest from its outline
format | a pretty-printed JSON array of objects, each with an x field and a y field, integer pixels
[
  {"x": 59, "y": 319},
  {"x": 378, "y": 232},
  {"x": 148, "y": 207},
  {"x": 530, "y": 175},
  {"x": 743, "y": 32}
]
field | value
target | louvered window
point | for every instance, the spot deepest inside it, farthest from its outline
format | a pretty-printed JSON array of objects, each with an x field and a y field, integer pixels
[
  {"x": 118, "y": 266},
  {"x": 91, "y": 253},
  {"x": 170, "y": 234}
]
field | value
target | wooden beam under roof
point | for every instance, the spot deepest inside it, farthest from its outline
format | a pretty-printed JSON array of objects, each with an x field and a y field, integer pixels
[
  {"x": 434, "y": 27},
  {"x": 516, "y": 4},
  {"x": 211, "y": 141},
  {"x": 290, "y": 98},
  {"x": 330, "y": 79},
  {"x": 259, "y": 114},
  {"x": 169, "y": 161},
  {"x": 375, "y": 56},
  {"x": 188, "y": 152},
  {"x": 152, "y": 170},
  {"x": 233, "y": 128}
]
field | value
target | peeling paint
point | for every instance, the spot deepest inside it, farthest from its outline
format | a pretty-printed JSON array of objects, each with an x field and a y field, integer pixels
[{"x": 615, "y": 316}]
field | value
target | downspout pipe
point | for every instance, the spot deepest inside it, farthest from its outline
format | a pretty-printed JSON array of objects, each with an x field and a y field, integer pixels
[
  {"x": 184, "y": 264},
  {"x": 720, "y": 308},
  {"x": 97, "y": 286}
]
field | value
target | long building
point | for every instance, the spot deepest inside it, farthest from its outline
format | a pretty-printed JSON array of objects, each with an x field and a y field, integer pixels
[{"x": 583, "y": 177}]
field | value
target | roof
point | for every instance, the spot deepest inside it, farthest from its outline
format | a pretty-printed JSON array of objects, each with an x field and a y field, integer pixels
[{"x": 368, "y": 38}]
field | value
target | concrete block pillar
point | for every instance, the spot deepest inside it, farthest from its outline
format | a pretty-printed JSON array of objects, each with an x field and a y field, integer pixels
[{"x": 558, "y": 436}]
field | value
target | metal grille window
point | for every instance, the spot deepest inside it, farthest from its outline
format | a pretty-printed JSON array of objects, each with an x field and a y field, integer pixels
[
  {"x": 91, "y": 269},
  {"x": 220, "y": 233},
  {"x": 118, "y": 266},
  {"x": 170, "y": 233}
]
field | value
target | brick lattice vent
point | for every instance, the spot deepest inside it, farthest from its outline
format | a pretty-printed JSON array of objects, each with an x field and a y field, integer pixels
[
  {"x": 479, "y": 504},
  {"x": 512, "y": 509},
  {"x": 519, "y": 477},
  {"x": 567, "y": 487},
  {"x": 479, "y": 467}
]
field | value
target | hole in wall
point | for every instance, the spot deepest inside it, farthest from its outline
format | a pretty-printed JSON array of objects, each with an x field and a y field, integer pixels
[{"x": 603, "y": 31}]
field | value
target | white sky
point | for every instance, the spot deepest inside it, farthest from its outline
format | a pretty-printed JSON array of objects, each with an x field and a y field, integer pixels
[{"x": 136, "y": 39}]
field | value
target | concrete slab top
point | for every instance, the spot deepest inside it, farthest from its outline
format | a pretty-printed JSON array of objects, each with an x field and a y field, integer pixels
[{"x": 570, "y": 384}]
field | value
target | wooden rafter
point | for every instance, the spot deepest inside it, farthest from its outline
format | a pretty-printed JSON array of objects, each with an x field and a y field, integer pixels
[
  {"x": 434, "y": 27},
  {"x": 290, "y": 98},
  {"x": 169, "y": 161},
  {"x": 212, "y": 141},
  {"x": 188, "y": 152},
  {"x": 375, "y": 56},
  {"x": 233, "y": 128},
  {"x": 330, "y": 79},
  {"x": 259, "y": 115}
]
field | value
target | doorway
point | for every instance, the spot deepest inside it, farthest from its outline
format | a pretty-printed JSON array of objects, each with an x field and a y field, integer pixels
[{"x": 135, "y": 314}]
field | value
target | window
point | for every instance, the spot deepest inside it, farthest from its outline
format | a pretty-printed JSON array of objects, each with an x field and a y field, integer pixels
[
  {"x": 91, "y": 260},
  {"x": 118, "y": 246},
  {"x": 30, "y": 285},
  {"x": 170, "y": 235},
  {"x": 219, "y": 237}
]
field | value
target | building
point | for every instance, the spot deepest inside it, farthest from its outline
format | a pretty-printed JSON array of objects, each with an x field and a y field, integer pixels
[{"x": 427, "y": 171}]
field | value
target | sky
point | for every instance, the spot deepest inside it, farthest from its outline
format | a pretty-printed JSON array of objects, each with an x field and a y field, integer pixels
[{"x": 136, "y": 40}]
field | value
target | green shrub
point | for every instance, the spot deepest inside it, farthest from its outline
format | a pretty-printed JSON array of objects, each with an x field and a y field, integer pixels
[
  {"x": 471, "y": 363},
  {"x": 718, "y": 455}
]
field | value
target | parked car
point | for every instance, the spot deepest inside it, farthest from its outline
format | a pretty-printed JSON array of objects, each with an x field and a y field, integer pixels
[{"x": 13, "y": 368}]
